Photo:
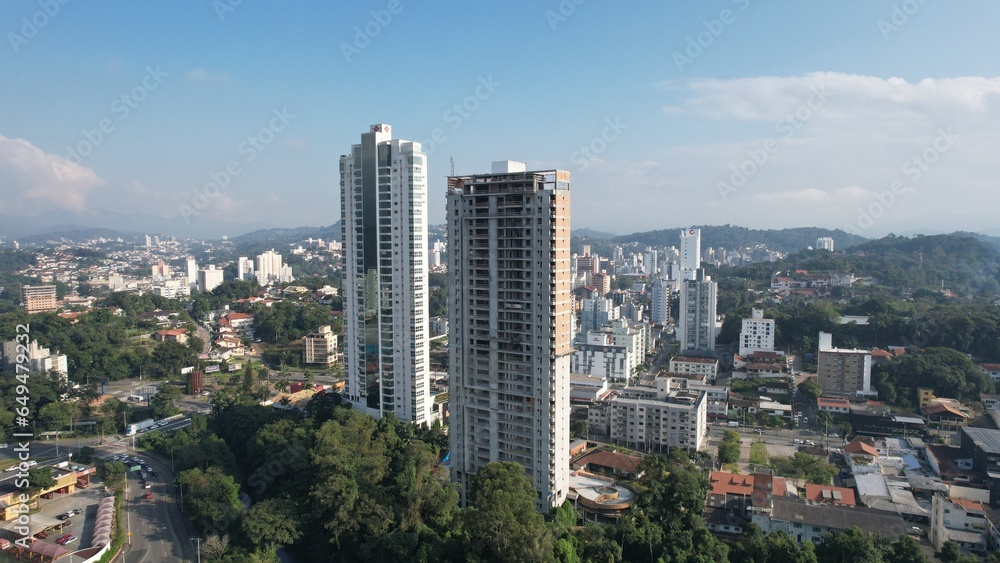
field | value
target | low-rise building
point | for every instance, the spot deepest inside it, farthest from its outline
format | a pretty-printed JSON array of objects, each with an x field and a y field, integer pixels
[
  {"x": 992, "y": 370},
  {"x": 610, "y": 462},
  {"x": 807, "y": 521},
  {"x": 709, "y": 367},
  {"x": 178, "y": 335},
  {"x": 944, "y": 416},
  {"x": 983, "y": 446},
  {"x": 830, "y": 494},
  {"x": 766, "y": 405},
  {"x": 668, "y": 416},
  {"x": 962, "y": 521},
  {"x": 600, "y": 356},
  {"x": 320, "y": 347},
  {"x": 587, "y": 388},
  {"x": 39, "y": 358},
  {"x": 834, "y": 405},
  {"x": 439, "y": 326},
  {"x": 598, "y": 498}
]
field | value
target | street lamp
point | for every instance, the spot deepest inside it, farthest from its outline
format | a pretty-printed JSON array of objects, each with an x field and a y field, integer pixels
[{"x": 198, "y": 539}]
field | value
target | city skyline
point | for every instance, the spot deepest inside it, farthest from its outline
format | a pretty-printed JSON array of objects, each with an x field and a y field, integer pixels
[{"x": 727, "y": 109}]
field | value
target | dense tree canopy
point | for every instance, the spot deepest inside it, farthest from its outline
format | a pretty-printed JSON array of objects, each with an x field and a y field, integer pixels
[{"x": 949, "y": 372}]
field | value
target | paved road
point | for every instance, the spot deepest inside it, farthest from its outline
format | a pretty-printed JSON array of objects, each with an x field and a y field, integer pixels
[
  {"x": 152, "y": 521},
  {"x": 153, "y": 536},
  {"x": 205, "y": 336}
]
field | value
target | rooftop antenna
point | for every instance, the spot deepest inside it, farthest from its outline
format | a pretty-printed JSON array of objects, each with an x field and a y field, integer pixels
[{"x": 452, "y": 165}]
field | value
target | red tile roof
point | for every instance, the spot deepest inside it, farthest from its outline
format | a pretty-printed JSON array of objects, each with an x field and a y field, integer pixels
[
  {"x": 826, "y": 493},
  {"x": 724, "y": 482},
  {"x": 612, "y": 460},
  {"x": 857, "y": 446},
  {"x": 970, "y": 505},
  {"x": 763, "y": 355},
  {"x": 172, "y": 332},
  {"x": 238, "y": 316},
  {"x": 941, "y": 408},
  {"x": 832, "y": 402}
]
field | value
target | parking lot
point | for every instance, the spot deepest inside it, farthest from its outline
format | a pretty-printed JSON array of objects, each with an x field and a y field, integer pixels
[{"x": 82, "y": 504}]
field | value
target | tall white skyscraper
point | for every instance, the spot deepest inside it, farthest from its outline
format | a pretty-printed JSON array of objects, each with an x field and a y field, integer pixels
[
  {"x": 192, "y": 272},
  {"x": 511, "y": 325},
  {"x": 660, "y": 296},
  {"x": 244, "y": 268},
  {"x": 209, "y": 278},
  {"x": 690, "y": 252},
  {"x": 270, "y": 269},
  {"x": 696, "y": 319},
  {"x": 383, "y": 202}
]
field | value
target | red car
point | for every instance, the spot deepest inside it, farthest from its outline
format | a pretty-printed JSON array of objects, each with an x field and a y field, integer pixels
[
  {"x": 148, "y": 495},
  {"x": 42, "y": 535},
  {"x": 62, "y": 539}
]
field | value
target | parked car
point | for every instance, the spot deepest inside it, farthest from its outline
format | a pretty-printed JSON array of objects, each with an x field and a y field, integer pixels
[
  {"x": 75, "y": 511},
  {"x": 63, "y": 517},
  {"x": 147, "y": 486},
  {"x": 63, "y": 539},
  {"x": 148, "y": 496},
  {"x": 153, "y": 473},
  {"x": 42, "y": 535}
]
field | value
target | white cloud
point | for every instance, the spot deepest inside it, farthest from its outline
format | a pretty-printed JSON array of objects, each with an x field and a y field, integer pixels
[
  {"x": 32, "y": 180},
  {"x": 838, "y": 162},
  {"x": 767, "y": 98}
]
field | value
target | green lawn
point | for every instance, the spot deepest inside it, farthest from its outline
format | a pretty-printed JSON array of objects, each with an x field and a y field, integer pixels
[{"x": 758, "y": 454}]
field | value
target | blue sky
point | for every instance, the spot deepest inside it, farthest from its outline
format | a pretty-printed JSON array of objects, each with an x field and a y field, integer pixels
[{"x": 654, "y": 130}]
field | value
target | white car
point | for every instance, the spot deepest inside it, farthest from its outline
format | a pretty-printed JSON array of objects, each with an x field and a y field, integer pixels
[
  {"x": 797, "y": 441},
  {"x": 4, "y": 446}
]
